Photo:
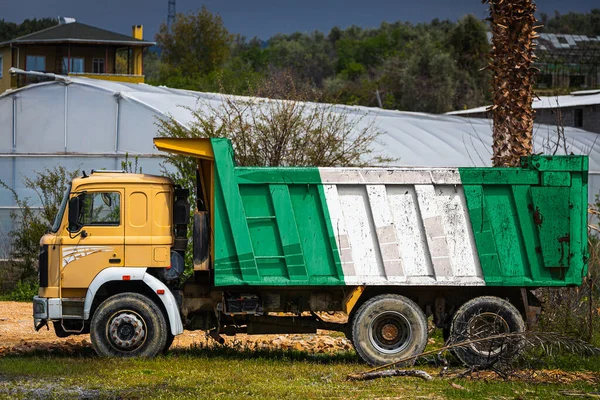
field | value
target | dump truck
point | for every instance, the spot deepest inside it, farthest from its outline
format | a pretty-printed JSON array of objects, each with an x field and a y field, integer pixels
[{"x": 275, "y": 249}]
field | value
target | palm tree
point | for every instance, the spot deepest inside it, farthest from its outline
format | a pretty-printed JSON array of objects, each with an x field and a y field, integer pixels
[{"x": 513, "y": 31}]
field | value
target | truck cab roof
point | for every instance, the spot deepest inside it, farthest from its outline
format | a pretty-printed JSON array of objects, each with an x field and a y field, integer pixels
[{"x": 115, "y": 177}]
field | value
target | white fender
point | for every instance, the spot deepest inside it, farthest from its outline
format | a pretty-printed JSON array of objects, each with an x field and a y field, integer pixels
[
  {"x": 168, "y": 301},
  {"x": 135, "y": 274}
]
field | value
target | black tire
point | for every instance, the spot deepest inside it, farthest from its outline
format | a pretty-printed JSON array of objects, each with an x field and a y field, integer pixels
[
  {"x": 128, "y": 325},
  {"x": 388, "y": 328},
  {"x": 481, "y": 317},
  {"x": 348, "y": 331}
]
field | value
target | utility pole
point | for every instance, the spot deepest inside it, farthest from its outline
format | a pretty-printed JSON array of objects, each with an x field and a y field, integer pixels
[{"x": 171, "y": 14}]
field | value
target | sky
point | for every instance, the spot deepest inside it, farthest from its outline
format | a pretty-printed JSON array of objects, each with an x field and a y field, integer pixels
[{"x": 264, "y": 18}]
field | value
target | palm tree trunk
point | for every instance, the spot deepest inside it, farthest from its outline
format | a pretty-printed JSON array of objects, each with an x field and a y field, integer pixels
[{"x": 513, "y": 31}]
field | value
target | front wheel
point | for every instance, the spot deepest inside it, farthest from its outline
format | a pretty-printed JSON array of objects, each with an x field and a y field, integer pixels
[
  {"x": 128, "y": 325},
  {"x": 388, "y": 328}
]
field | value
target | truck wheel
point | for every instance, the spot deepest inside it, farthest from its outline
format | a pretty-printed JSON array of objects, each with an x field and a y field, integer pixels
[
  {"x": 388, "y": 328},
  {"x": 481, "y": 317},
  {"x": 128, "y": 325}
]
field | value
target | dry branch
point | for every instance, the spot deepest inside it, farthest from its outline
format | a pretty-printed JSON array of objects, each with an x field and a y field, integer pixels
[
  {"x": 581, "y": 395},
  {"x": 367, "y": 376},
  {"x": 547, "y": 341}
]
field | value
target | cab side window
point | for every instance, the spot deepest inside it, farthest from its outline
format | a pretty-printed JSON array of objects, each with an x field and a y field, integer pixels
[{"x": 101, "y": 209}]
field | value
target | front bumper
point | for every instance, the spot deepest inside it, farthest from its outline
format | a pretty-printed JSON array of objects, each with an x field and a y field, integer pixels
[{"x": 45, "y": 310}]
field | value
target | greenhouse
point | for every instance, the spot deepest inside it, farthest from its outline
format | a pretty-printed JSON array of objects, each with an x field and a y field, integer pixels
[{"x": 89, "y": 124}]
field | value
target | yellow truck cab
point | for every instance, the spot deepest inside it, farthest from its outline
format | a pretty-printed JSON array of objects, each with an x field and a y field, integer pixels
[
  {"x": 272, "y": 247},
  {"x": 123, "y": 227}
]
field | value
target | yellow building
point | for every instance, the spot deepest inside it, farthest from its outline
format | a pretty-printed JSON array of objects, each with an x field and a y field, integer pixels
[{"x": 74, "y": 49}]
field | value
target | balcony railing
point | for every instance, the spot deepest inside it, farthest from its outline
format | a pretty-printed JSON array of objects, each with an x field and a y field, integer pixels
[{"x": 22, "y": 79}]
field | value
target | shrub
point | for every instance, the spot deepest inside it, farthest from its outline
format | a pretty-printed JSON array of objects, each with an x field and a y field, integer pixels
[{"x": 31, "y": 223}]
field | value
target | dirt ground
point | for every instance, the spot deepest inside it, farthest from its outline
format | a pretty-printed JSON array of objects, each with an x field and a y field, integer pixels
[{"x": 17, "y": 335}]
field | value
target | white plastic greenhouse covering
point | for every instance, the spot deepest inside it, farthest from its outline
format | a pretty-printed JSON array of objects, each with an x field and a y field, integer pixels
[{"x": 91, "y": 124}]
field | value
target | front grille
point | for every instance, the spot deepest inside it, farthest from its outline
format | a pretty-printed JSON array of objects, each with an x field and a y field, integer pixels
[{"x": 43, "y": 266}]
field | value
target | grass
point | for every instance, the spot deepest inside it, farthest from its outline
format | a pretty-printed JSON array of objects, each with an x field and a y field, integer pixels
[{"x": 239, "y": 374}]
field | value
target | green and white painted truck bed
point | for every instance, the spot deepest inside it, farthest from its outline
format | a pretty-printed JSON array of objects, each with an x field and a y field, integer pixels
[{"x": 400, "y": 226}]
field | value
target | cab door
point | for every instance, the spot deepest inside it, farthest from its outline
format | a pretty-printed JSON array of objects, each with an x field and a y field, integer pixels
[{"x": 99, "y": 244}]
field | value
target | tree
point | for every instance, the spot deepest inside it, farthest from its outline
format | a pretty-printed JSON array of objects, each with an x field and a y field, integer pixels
[
  {"x": 151, "y": 66},
  {"x": 307, "y": 55},
  {"x": 423, "y": 80},
  {"x": 572, "y": 23},
  {"x": 11, "y": 30},
  {"x": 513, "y": 31},
  {"x": 470, "y": 48},
  {"x": 197, "y": 44}
]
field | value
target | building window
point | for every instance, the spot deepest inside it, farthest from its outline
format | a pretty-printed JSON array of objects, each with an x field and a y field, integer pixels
[
  {"x": 98, "y": 66},
  {"x": 578, "y": 117},
  {"x": 76, "y": 65},
  {"x": 36, "y": 63}
]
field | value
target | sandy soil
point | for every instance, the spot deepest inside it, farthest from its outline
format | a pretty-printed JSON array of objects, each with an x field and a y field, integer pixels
[{"x": 17, "y": 334}]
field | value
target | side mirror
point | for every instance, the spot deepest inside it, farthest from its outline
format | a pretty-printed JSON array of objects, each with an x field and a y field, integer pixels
[
  {"x": 106, "y": 199},
  {"x": 73, "y": 213}
]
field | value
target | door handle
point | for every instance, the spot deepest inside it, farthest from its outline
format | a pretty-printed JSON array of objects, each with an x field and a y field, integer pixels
[{"x": 114, "y": 260}]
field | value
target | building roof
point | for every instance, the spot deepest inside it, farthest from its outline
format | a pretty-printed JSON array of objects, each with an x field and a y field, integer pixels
[
  {"x": 560, "y": 41},
  {"x": 76, "y": 32},
  {"x": 575, "y": 99},
  {"x": 554, "y": 41}
]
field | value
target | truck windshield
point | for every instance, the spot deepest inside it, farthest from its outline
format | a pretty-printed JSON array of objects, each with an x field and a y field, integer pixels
[{"x": 61, "y": 210}]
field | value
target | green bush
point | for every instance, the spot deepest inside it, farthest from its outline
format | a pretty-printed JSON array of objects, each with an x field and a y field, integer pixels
[{"x": 24, "y": 291}]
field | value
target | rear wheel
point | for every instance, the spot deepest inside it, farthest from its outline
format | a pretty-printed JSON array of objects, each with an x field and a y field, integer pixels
[
  {"x": 388, "y": 328},
  {"x": 128, "y": 325},
  {"x": 483, "y": 317}
]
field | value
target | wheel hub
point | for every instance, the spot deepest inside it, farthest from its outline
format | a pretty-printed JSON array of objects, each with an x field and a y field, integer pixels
[
  {"x": 126, "y": 331},
  {"x": 390, "y": 332}
]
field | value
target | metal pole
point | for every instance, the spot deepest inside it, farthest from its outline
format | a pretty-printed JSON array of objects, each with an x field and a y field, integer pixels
[
  {"x": 14, "y": 146},
  {"x": 14, "y": 124},
  {"x": 66, "y": 114},
  {"x": 117, "y": 124},
  {"x": 378, "y": 98}
]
